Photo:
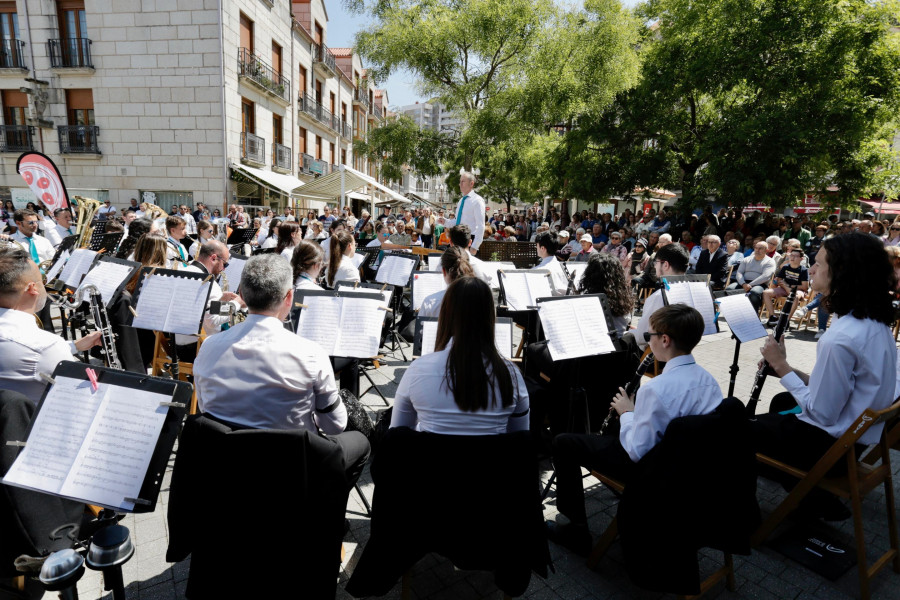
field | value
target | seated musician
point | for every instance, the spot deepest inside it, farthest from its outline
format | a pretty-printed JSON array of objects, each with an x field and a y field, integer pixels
[
  {"x": 176, "y": 253},
  {"x": 454, "y": 264},
  {"x": 605, "y": 275},
  {"x": 855, "y": 365},
  {"x": 211, "y": 260},
  {"x": 26, "y": 350},
  {"x": 341, "y": 267},
  {"x": 307, "y": 262},
  {"x": 261, "y": 376},
  {"x": 684, "y": 388},
  {"x": 460, "y": 236},
  {"x": 465, "y": 387},
  {"x": 547, "y": 244}
]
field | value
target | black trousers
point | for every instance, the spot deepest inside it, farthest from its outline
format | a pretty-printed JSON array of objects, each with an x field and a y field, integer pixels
[
  {"x": 349, "y": 373},
  {"x": 355, "y": 448},
  {"x": 597, "y": 452}
]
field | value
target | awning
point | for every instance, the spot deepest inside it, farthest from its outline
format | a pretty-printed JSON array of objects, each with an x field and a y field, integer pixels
[
  {"x": 278, "y": 183},
  {"x": 329, "y": 186},
  {"x": 423, "y": 201}
]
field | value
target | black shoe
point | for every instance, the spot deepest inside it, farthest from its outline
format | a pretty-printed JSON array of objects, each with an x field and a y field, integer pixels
[{"x": 575, "y": 537}]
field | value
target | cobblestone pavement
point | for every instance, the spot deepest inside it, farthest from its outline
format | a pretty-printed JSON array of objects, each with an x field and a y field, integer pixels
[{"x": 765, "y": 574}]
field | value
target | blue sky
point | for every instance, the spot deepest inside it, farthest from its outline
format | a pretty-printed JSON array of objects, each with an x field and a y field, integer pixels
[{"x": 342, "y": 26}]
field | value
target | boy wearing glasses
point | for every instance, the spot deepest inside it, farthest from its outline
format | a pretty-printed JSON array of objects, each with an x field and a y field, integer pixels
[{"x": 684, "y": 388}]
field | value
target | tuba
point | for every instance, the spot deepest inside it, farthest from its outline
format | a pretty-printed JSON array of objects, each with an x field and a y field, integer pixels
[
  {"x": 87, "y": 210},
  {"x": 154, "y": 212}
]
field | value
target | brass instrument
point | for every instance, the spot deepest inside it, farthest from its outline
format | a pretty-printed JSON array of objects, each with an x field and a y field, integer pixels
[
  {"x": 237, "y": 316},
  {"x": 87, "y": 210},
  {"x": 101, "y": 320},
  {"x": 154, "y": 212}
]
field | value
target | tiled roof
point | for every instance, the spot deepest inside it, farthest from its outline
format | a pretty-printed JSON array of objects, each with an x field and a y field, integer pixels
[{"x": 342, "y": 51}]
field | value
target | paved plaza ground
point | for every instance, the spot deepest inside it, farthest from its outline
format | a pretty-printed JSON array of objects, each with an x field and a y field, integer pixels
[{"x": 765, "y": 574}]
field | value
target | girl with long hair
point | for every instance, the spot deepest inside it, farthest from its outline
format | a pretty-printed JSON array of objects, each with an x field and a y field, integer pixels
[
  {"x": 270, "y": 240},
  {"x": 454, "y": 264},
  {"x": 204, "y": 234},
  {"x": 288, "y": 237},
  {"x": 340, "y": 265},
  {"x": 465, "y": 387},
  {"x": 605, "y": 275},
  {"x": 307, "y": 262}
]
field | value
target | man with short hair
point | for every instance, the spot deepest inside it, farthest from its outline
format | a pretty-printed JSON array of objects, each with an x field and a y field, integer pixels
[
  {"x": 127, "y": 219},
  {"x": 547, "y": 245},
  {"x": 212, "y": 258},
  {"x": 240, "y": 380},
  {"x": 25, "y": 350},
  {"x": 470, "y": 210},
  {"x": 176, "y": 254},
  {"x": 198, "y": 212},
  {"x": 754, "y": 274},
  {"x": 671, "y": 259},
  {"x": 190, "y": 225},
  {"x": 107, "y": 211},
  {"x": 65, "y": 225},
  {"x": 713, "y": 262},
  {"x": 460, "y": 236},
  {"x": 587, "y": 249},
  {"x": 598, "y": 238},
  {"x": 815, "y": 242},
  {"x": 38, "y": 247},
  {"x": 574, "y": 245},
  {"x": 797, "y": 231}
]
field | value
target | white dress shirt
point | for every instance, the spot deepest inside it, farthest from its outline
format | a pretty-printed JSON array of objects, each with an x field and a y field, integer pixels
[
  {"x": 855, "y": 369},
  {"x": 241, "y": 379},
  {"x": 695, "y": 256},
  {"x": 346, "y": 271},
  {"x": 270, "y": 242},
  {"x": 190, "y": 224},
  {"x": 176, "y": 254},
  {"x": 652, "y": 304},
  {"x": 43, "y": 246},
  {"x": 27, "y": 350},
  {"x": 431, "y": 305},
  {"x": 212, "y": 324},
  {"x": 559, "y": 279},
  {"x": 683, "y": 388},
  {"x": 473, "y": 217},
  {"x": 305, "y": 283},
  {"x": 424, "y": 402},
  {"x": 288, "y": 253}
]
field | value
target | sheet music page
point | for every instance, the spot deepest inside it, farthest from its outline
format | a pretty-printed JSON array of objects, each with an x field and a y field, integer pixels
[
  {"x": 357, "y": 259},
  {"x": 115, "y": 455},
  {"x": 502, "y": 338},
  {"x": 539, "y": 286},
  {"x": 188, "y": 302},
  {"x": 426, "y": 283},
  {"x": 153, "y": 304},
  {"x": 107, "y": 276},
  {"x": 679, "y": 293},
  {"x": 77, "y": 266},
  {"x": 515, "y": 289},
  {"x": 434, "y": 262},
  {"x": 320, "y": 321},
  {"x": 57, "y": 435},
  {"x": 429, "y": 335},
  {"x": 361, "y": 320},
  {"x": 575, "y": 327},
  {"x": 385, "y": 295},
  {"x": 490, "y": 269},
  {"x": 233, "y": 272},
  {"x": 395, "y": 270},
  {"x": 703, "y": 302},
  {"x": 742, "y": 318},
  {"x": 57, "y": 267}
]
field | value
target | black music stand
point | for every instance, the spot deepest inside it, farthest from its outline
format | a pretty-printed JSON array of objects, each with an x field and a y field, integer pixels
[
  {"x": 106, "y": 242},
  {"x": 239, "y": 237},
  {"x": 527, "y": 317},
  {"x": 396, "y": 299}
]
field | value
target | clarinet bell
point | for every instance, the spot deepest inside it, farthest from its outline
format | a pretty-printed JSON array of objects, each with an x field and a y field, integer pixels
[{"x": 61, "y": 572}]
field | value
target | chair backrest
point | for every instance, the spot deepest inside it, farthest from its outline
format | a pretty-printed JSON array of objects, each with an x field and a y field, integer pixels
[{"x": 522, "y": 254}]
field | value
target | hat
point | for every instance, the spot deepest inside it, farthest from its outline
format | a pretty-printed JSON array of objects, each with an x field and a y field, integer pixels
[
  {"x": 642, "y": 242},
  {"x": 586, "y": 238},
  {"x": 869, "y": 214},
  {"x": 563, "y": 233},
  {"x": 615, "y": 234}
]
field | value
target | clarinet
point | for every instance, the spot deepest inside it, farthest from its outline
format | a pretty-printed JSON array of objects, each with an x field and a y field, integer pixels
[
  {"x": 763, "y": 371},
  {"x": 630, "y": 388},
  {"x": 570, "y": 278},
  {"x": 101, "y": 321}
]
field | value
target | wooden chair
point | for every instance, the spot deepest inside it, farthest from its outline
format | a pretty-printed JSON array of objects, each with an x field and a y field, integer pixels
[
  {"x": 860, "y": 479},
  {"x": 656, "y": 370},
  {"x": 423, "y": 252},
  {"x": 161, "y": 357},
  {"x": 726, "y": 571}
]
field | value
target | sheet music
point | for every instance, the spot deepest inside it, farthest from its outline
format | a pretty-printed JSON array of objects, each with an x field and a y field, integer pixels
[
  {"x": 360, "y": 335},
  {"x": 515, "y": 289},
  {"x": 695, "y": 294},
  {"x": 233, "y": 272},
  {"x": 107, "y": 277},
  {"x": 171, "y": 304},
  {"x": 576, "y": 270},
  {"x": 153, "y": 303},
  {"x": 434, "y": 262},
  {"x": 539, "y": 287},
  {"x": 490, "y": 270},
  {"x": 385, "y": 295},
  {"x": 357, "y": 259},
  {"x": 426, "y": 283},
  {"x": 742, "y": 318},
  {"x": 77, "y": 266},
  {"x": 575, "y": 327},
  {"x": 502, "y": 337},
  {"x": 320, "y": 321},
  {"x": 395, "y": 270},
  {"x": 91, "y": 446},
  {"x": 429, "y": 336},
  {"x": 57, "y": 267}
]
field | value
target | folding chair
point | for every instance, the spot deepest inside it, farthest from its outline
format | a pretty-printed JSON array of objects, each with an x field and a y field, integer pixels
[
  {"x": 861, "y": 478},
  {"x": 161, "y": 358}
]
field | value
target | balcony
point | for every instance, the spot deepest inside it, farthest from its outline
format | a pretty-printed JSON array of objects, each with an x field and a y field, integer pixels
[
  {"x": 71, "y": 53},
  {"x": 12, "y": 54},
  {"x": 260, "y": 74},
  {"x": 16, "y": 138},
  {"x": 253, "y": 149},
  {"x": 79, "y": 139},
  {"x": 317, "y": 112},
  {"x": 318, "y": 167},
  {"x": 361, "y": 98},
  {"x": 305, "y": 161},
  {"x": 359, "y": 134},
  {"x": 281, "y": 158},
  {"x": 324, "y": 61},
  {"x": 346, "y": 130}
]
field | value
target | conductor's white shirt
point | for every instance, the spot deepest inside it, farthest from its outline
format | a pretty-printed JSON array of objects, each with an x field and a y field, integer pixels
[
  {"x": 683, "y": 388},
  {"x": 472, "y": 215},
  {"x": 27, "y": 350},
  {"x": 480, "y": 272},
  {"x": 240, "y": 379},
  {"x": 855, "y": 370},
  {"x": 424, "y": 402}
]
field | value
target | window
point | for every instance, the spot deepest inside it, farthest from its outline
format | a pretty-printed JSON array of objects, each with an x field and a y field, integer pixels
[
  {"x": 319, "y": 147},
  {"x": 80, "y": 107},
  {"x": 246, "y": 32},
  {"x": 344, "y": 112},
  {"x": 277, "y": 129},
  {"x": 11, "y": 51},
  {"x": 15, "y": 103},
  {"x": 248, "y": 122},
  {"x": 318, "y": 91},
  {"x": 332, "y": 154},
  {"x": 80, "y": 135},
  {"x": 319, "y": 34},
  {"x": 331, "y": 103},
  {"x": 276, "y": 59},
  {"x": 343, "y": 156},
  {"x": 302, "y": 80},
  {"x": 166, "y": 200},
  {"x": 72, "y": 19},
  {"x": 302, "y": 140}
]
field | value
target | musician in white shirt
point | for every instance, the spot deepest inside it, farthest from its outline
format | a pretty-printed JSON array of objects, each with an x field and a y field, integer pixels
[
  {"x": 470, "y": 210},
  {"x": 190, "y": 225},
  {"x": 204, "y": 234},
  {"x": 307, "y": 263},
  {"x": 239, "y": 378},
  {"x": 684, "y": 388},
  {"x": 26, "y": 350},
  {"x": 460, "y": 238},
  {"x": 454, "y": 264},
  {"x": 547, "y": 245},
  {"x": 671, "y": 259},
  {"x": 176, "y": 253},
  {"x": 64, "y": 225},
  {"x": 341, "y": 267},
  {"x": 855, "y": 365},
  {"x": 36, "y": 245},
  {"x": 458, "y": 390}
]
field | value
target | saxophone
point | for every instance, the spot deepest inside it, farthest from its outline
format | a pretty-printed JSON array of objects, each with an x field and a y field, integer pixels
[
  {"x": 101, "y": 321},
  {"x": 236, "y": 316}
]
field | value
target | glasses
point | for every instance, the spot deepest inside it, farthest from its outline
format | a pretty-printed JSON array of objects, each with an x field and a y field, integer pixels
[
  {"x": 648, "y": 335},
  {"x": 895, "y": 228}
]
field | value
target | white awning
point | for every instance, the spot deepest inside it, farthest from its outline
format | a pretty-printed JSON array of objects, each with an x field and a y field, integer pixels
[
  {"x": 281, "y": 184},
  {"x": 329, "y": 186}
]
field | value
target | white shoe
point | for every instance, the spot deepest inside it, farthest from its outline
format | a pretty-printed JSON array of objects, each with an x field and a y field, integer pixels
[
  {"x": 820, "y": 333},
  {"x": 800, "y": 313}
]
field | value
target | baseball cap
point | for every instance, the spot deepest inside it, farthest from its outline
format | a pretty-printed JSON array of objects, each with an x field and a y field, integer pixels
[
  {"x": 564, "y": 233},
  {"x": 586, "y": 238}
]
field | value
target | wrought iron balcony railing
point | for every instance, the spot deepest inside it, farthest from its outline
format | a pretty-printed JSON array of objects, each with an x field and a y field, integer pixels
[
  {"x": 71, "y": 53},
  {"x": 256, "y": 70},
  {"x": 12, "y": 54},
  {"x": 253, "y": 148},
  {"x": 16, "y": 138},
  {"x": 281, "y": 157},
  {"x": 79, "y": 139},
  {"x": 322, "y": 54},
  {"x": 305, "y": 162},
  {"x": 318, "y": 112}
]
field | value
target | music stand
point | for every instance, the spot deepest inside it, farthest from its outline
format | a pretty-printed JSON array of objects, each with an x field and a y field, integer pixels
[
  {"x": 426, "y": 332},
  {"x": 526, "y": 315},
  {"x": 674, "y": 291},
  {"x": 745, "y": 326},
  {"x": 400, "y": 277},
  {"x": 106, "y": 242},
  {"x": 239, "y": 237}
]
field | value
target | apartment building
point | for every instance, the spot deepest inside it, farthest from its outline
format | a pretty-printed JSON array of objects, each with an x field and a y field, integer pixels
[{"x": 207, "y": 101}]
